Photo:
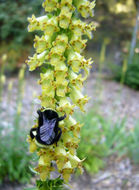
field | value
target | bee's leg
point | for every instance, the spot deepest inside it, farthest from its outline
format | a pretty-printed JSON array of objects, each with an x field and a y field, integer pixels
[
  {"x": 32, "y": 132},
  {"x": 40, "y": 119},
  {"x": 58, "y": 135},
  {"x": 62, "y": 118}
]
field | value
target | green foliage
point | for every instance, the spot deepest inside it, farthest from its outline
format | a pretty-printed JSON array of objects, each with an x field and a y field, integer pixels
[
  {"x": 49, "y": 184},
  {"x": 101, "y": 138},
  {"x": 131, "y": 75},
  {"x": 56, "y": 184},
  {"x": 133, "y": 145},
  {"x": 14, "y": 24},
  {"x": 14, "y": 36},
  {"x": 91, "y": 145},
  {"x": 14, "y": 157}
]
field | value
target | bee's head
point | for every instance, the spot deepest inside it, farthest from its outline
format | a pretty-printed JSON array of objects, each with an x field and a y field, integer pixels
[{"x": 50, "y": 114}]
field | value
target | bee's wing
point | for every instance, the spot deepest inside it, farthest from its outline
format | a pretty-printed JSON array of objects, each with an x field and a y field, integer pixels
[{"x": 47, "y": 133}]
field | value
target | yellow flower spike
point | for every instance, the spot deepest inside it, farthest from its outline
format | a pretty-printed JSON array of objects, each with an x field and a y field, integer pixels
[
  {"x": 58, "y": 53},
  {"x": 50, "y": 5},
  {"x": 42, "y": 43}
]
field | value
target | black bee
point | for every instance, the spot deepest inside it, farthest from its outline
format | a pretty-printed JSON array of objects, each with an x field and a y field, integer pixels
[{"x": 47, "y": 132}]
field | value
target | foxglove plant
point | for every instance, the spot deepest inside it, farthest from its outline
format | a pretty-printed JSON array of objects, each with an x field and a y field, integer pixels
[{"x": 58, "y": 53}]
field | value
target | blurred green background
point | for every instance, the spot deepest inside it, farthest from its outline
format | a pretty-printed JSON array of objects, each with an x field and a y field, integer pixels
[{"x": 111, "y": 126}]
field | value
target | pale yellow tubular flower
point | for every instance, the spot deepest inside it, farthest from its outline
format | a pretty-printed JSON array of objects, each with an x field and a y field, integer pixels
[
  {"x": 75, "y": 161},
  {"x": 61, "y": 157},
  {"x": 74, "y": 126},
  {"x": 37, "y": 60},
  {"x": 65, "y": 17},
  {"x": 75, "y": 60},
  {"x": 55, "y": 59},
  {"x": 50, "y": 5},
  {"x": 42, "y": 43},
  {"x": 85, "y": 7},
  {"x": 77, "y": 27},
  {"x": 47, "y": 101},
  {"x": 51, "y": 26},
  {"x": 67, "y": 171},
  {"x": 32, "y": 144},
  {"x": 89, "y": 28},
  {"x": 60, "y": 78},
  {"x": 44, "y": 171},
  {"x": 65, "y": 106},
  {"x": 77, "y": 43},
  {"x": 78, "y": 98},
  {"x": 60, "y": 66},
  {"x": 75, "y": 79},
  {"x": 60, "y": 44},
  {"x": 37, "y": 23},
  {"x": 49, "y": 88}
]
